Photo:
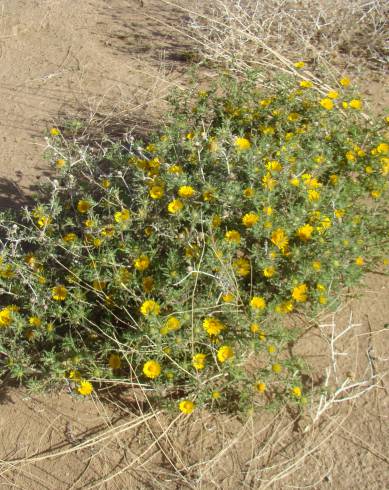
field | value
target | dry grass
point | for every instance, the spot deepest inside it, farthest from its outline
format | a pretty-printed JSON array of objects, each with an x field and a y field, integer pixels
[{"x": 351, "y": 34}]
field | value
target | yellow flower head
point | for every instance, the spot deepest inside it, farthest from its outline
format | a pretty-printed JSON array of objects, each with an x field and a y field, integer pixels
[
  {"x": 198, "y": 361},
  {"x": 360, "y": 261},
  {"x": 172, "y": 324},
  {"x": 250, "y": 219},
  {"x": 333, "y": 94},
  {"x": 248, "y": 192},
  {"x": 383, "y": 148},
  {"x": 186, "y": 191},
  {"x": 59, "y": 293},
  {"x": 276, "y": 368},
  {"x": 327, "y": 104},
  {"x": 175, "y": 169},
  {"x": 279, "y": 239},
  {"x": 152, "y": 369},
  {"x": 122, "y": 216},
  {"x": 228, "y": 297},
  {"x": 225, "y": 353},
  {"x": 345, "y": 82},
  {"x": 232, "y": 236},
  {"x": 60, "y": 163},
  {"x": 284, "y": 308},
  {"x": 260, "y": 387},
  {"x": 216, "y": 395},
  {"x": 241, "y": 267},
  {"x": 268, "y": 182},
  {"x": 35, "y": 321},
  {"x": 316, "y": 265},
  {"x": 334, "y": 179},
  {"x": 83, "y": 206},
  {"x": 5, "y": 317},
  {"x": 114, "y": 361},
  {"x": 156, "y": 192},
  {"x": 356, "y": 104},
  {"x": 242, "y": 144},
  {"x": 300, "y": 293},
  {"x": 175, "y": 206},
  {"x": 54, "y": 131},
  {"x": 69, "y": 237},
  {"x": 269, "y": 271},
  {"x": 304, "y": 233},
  {"x": 142, "y": 263},
  {"x": 293, "y": 116},
  {"x": 150, "y": 307},
  {"x": 306, "y": 84},
  {"x": 258, "y": 303},
  {"x": 296, "y": 391},
  {"x": 148, "y": 283},
  {"x": 313, "y": 195},
  {"x": 85, "y": 388},
  {"x": 186, "y": 406},
  {"x": 213, "y": 326},
  {"x": 299, "y": 64}
]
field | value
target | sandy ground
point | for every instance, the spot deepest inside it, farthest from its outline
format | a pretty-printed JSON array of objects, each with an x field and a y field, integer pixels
[{"x": 103, "y": 59}]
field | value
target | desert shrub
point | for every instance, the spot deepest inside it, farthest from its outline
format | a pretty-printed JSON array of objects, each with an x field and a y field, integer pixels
[{"x": 184, "y": 264}]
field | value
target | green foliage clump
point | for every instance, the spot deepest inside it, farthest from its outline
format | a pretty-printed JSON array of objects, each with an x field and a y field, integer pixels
[{"x": 174, "y": 264}]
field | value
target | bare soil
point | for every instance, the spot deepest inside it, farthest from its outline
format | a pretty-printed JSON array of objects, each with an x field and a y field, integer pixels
[{"x": 110, "y": 61}]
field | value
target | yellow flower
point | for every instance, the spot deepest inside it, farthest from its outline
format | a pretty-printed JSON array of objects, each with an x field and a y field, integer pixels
[
  {"x": 306, "y": 84},
  {"x": 339, "y": 213},
  {"x": 224, "y": 353},
  {"x": 172, "y": 324},
  {"x": 268, "y": 182},
  {"x": 242, "y": 144},
  {"x": 54, "y": 131},
  {"x": 44, "y": 221},
  {"x": 156, "y": 192},
  {"x": 232, "y": 236},
  {"x": 69, "y": 237},
  {"x": 269, "y": 271},
  {"x": 320, "y": 287},
  {"x": 369, "y": 170},
  {"x": 295, "y": 181},
  {"x": 60, "y": 163},
  {"x": 142, "y": 263},
  {"x": 276, "y": 368},
  {"x": 383, "y": 148},
  {"x": 296, "y": 391},
  {"x": 122, "y": 216},
  {"x": 350, "y": 156},
  {"x": 59, "y": 293},
  {"x": 305, "y": 232},
  {"x": 114, "y": 361},
  {"x": 216, "y": 395},
  {"x": 299, "y": 64},
  {"x": 248, "y": 192},
  {"x": 186, "y": 191},
  {"x": 333, "y": 94},
  {"x": 268, "y": 210},
  {"x": 356, "y": 104},
  {"x": 228, "y": 297},
  {"x": 375, "y": 194},
  {"x": 85, "y": 388},
  {"x": 175, "y": 206},
  {"x": 293, "y": 116},
  {"x": 152, "y": 369},
  {"x": 316, "y": 265},
  {"x": 284, "y": 308},
  {"x": 299, "y": 293},
  {"x": 274, "y": 165},
  {"x": 360, "y": 261},
  {"x": 213, "y": 326},
  {"x": 208, "y": 195},
  {"x": 258, "y": 303},
  {"x": 186, "y": 406},
  {"x": 327, "y": 104},
  {"x": 313, "y": 195},
  {"x": 216, "y": 221},
  {"x": 279, "y": 239},
  {"x": 250, "y": 219},
  {"x": 241, "y": 267},
  {"x": 198, "y": 361},
  {"x": 148, "y": 284},
  {"x": 334, "y": 179},
  {"x": 175, "y": 169},
  {"x": 323, "y": 300},
  {"x": 105, "y": 183},
  {"x": 83, "y": 206},
  {"x": 150, "y": 307},
  {"x": 267, "y": 130},
  {"x": 35, "y": 321},
  {"x": 261, "y": 387},
  {"x": 265, "y": 102},
  {"x": 5, "y": 317},
  {"x": 345, "y": 82}
]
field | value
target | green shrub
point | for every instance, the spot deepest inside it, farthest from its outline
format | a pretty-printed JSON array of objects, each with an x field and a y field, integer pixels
[{"x": 174, "y": 264}]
